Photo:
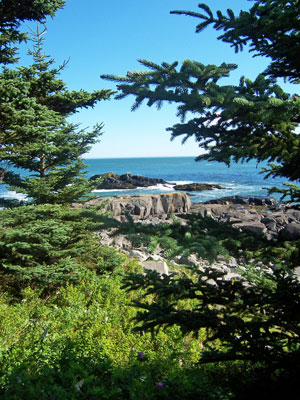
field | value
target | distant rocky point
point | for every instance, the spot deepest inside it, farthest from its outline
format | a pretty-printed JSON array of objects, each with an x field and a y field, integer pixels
[{"x": 125, "y": 181}]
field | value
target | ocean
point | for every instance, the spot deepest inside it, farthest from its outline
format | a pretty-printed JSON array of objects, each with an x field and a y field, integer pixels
[{"x": 239, "y": 179}]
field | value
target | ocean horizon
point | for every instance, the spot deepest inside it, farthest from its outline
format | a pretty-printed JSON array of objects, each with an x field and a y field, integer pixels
[{"x": 242, "y": 179}]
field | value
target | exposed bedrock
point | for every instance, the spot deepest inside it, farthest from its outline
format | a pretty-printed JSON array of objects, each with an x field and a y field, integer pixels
[
  {"x": 145, "y": 206},
  {"x": 245, "y": 200},
  {"x": 258, "y": 216}
]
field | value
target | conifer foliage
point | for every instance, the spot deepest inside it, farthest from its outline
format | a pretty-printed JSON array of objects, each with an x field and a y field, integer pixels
[
  {"x": 41, "y": 245},
  {"x": 44, "y": 244},
  {"x": 255, "y": 119},
  {"x": 35, "y": 134},
  {"x": 12, "y": 14}
]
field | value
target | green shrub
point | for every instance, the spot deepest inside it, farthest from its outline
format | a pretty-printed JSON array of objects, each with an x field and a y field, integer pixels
[{"x": 79, "y": 343}]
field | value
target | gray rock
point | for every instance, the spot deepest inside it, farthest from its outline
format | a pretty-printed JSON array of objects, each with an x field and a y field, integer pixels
[
  {"x": 270, "y": 223},
  {"x": 290, "y": 231},
  {"x": 293, "y": 215},
  {"x": 232, "y": 263},
  {"x": 197, "y": 187},
  {"x": 246, "y": 200},
  {"x": 255, "y": 227},
  {"x": 149, "y": 205},
  {"x": 296, "y": 272},
  {"x": 125, "y": 181},
  {"x": 190, "y": 260},
  {"x": 231, "y": 275},
  {"x": 142, "y": 207},
  {"x": 154, "y": 257},
  {"x": 159, "y": 266},
  {"x": 139, "y": 255}
]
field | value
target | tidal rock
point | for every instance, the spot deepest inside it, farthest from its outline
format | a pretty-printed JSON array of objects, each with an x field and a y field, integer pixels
[
  {"x": 197, "y": 187},
  {"x": 125, "y": 181}
]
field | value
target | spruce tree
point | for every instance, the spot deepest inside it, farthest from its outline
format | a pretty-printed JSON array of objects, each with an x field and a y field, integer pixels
[
  {"x": 12, "y": 14},
  {"x": 255, "y": 119},
  {"x": 35, "y": 134}
]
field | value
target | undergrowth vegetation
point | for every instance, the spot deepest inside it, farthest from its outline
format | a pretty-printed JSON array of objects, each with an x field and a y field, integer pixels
[
  {"x": 78, "y": 342},
  {"x": 79, "y": 320}
]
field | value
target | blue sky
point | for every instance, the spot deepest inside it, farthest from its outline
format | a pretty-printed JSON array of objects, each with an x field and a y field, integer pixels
[{"x": 108, "y": 37}]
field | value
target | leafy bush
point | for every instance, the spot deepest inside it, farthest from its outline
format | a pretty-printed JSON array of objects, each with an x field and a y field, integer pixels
[{"x": 80, "y": 344}]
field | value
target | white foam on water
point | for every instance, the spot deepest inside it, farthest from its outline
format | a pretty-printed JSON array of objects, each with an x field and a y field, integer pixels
[
  {"x": 13, "y": 195},
  {"x": 110, "y": 190},
  {"x": 231, "y": 188},
  {"x": 160, "y": 186},
  {"x": 180, "y": 182}
]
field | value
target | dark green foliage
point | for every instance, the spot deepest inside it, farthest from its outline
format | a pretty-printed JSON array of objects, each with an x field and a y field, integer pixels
[
  {"x": 252, "y": 120},
  {"x": 244, "y": 320},
  {"x": 35, "y": 104},
  {"x": 109, "y": 259},
  {"x": 270, "y": 28},
  {"x": 48, "y": 245},
  {"x": 12, "y": 14},
  {"x": 201, "y": 236}
]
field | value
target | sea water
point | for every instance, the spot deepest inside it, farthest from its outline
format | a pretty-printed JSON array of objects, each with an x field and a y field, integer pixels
[
  {"x": 239, "y": 179},
  {"x": 242, "y": 179}
]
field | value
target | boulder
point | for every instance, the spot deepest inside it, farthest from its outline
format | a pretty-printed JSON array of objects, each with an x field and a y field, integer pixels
[
  {"x": 290, "y": 231},
  {"x": 256, "y": 228},
  {"x": 139, "y": 255},
  {"x": 159, "y": 266}
]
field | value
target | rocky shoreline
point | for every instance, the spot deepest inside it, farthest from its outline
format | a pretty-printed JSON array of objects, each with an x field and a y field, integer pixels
[
  {"x": 260, "y": 216},
  {"x": 264, "y": 217},
  {"x": 257, "y": 215}
]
